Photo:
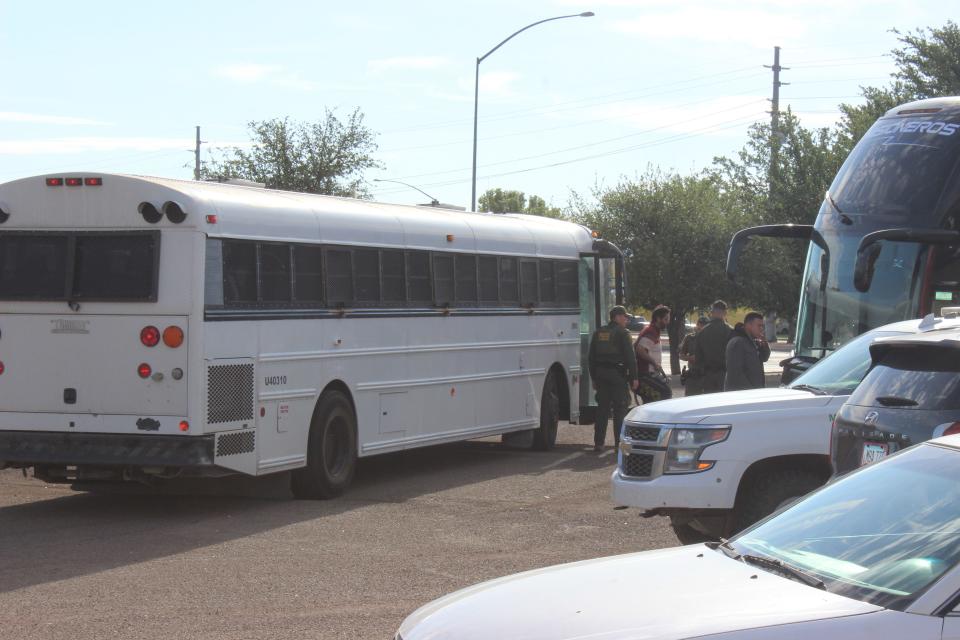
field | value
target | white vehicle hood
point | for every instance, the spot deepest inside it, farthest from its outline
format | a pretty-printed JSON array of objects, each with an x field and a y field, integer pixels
[
  {"x": 676, "y": 593},
  {"x": 693, "y": 409}
]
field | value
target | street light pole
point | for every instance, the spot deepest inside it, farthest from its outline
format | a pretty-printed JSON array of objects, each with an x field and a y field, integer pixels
[
  {"x": 433, "y": 201},
  {"x": 476, "y": 92}
]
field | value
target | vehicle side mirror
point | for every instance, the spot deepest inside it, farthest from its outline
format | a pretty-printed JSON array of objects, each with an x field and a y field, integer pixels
[
  {"x": 864, "y": 267},
  {"x": 794, "y": 366}
]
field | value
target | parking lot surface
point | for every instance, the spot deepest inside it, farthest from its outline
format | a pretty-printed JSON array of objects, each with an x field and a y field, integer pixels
[{"x": 242, "y": 559}]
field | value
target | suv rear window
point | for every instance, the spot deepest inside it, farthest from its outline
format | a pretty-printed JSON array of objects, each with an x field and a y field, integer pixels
[
  {"x": 926, "y": 375},
  {"x": 105, "y": 266}
]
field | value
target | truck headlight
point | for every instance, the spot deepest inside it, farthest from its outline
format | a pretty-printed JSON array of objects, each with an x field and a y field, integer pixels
[{"x": 686, "y": 445}]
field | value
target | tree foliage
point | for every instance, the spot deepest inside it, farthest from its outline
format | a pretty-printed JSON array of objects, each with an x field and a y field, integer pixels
[
  {"x": 328, "y": 156},
  {"x": 510, "y": 201}
]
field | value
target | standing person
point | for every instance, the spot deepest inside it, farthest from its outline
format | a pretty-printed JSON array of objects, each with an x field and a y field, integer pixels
[
  {"x": 711, "y": 348},
  {"x": 744, "y": 367},
  {"x": 649, "y": 354},
  {"x": 612, "y": 368},
  {"x": 694, "y": 377}
]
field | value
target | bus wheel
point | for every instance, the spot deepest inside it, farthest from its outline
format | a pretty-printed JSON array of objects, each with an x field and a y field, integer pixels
[
  {"x": 546, "y": 436},
  {"x": 331, "y": 450}
]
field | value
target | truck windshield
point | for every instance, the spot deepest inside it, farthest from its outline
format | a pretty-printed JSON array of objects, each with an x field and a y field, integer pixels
[
  {"x": 880, "y": 535},
  {"x": 899, "y": 168},
  {"x": 842, "y": 371}
]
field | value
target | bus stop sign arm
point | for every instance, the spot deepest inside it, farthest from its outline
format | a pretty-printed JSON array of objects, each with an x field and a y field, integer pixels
[{"x": 869, "y": 249}]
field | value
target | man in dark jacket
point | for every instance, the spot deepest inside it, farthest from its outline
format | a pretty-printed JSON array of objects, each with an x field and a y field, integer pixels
[
  {"x": 744, "y": 366},
  {"x": 612, "y": 367},
  {"x": 711, "y": 348}
]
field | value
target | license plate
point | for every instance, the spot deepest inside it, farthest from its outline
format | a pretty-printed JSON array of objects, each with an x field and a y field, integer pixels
[{"x": 873, "y": 451}]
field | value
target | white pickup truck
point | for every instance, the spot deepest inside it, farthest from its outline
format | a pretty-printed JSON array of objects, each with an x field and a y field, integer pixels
[{"x": 717, "y": 463}]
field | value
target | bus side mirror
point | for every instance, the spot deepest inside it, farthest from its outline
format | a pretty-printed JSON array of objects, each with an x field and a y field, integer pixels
[{"x": 863, "y": 269}]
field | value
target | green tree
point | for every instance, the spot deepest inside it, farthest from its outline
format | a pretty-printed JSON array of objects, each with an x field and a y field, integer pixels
[
  {"x": 510, "y": 201},
  {"x": 928, "y": 66},
  {"x": 326, "y": 157},
  {"x": 677, "y": 229}
]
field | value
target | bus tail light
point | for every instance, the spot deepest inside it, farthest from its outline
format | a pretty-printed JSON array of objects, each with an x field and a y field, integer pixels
[
  {"x": 184, "y": 425},
  {"x": 144, "y": 370},
  {"x": 150, "y": 336},
  {"x": 54, "y": 182},
  {"x": 173, "y": 336}
]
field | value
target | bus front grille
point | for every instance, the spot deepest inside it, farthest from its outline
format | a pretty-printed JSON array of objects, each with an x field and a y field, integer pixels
[{"x": 229, "y": 393}]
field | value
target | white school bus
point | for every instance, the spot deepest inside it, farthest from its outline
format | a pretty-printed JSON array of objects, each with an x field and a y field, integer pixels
[{"x": 154, "y": 328}]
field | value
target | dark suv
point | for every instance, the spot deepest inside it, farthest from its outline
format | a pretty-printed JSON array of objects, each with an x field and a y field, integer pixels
[{"x": 910, "y": 394}]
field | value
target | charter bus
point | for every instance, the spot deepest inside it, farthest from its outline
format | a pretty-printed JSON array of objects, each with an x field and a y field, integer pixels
[
  {"x": 885, "y": 244},
  {"x": 155, "y": 328}
]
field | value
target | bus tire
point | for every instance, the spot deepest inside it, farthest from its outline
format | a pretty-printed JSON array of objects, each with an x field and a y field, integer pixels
[
  {"x": 331, "y": 450},
  {"x": 545, "y": 437}
]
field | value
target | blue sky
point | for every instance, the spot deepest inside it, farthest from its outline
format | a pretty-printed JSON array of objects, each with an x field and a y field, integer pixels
[{"x": 565, "y": 106}]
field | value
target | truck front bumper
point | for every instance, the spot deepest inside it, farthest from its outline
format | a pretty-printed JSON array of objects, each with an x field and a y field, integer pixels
[{"x": 706, "y": 490}]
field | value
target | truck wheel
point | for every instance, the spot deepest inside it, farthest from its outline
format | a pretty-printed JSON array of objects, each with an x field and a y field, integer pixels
[
  {"x": 331, "y": 450},
  {"x": 686, "y": 534},
  {"x": 772, "y": 490},
  {"x": 546, "y": 436}
]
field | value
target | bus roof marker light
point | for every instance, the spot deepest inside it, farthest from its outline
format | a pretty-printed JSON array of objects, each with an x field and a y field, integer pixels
[
  {"x": 74, "y": 182},
  {"x": 211, "y": 218},
  {"x": 54, "y": 182},
  {"x": 93, "y": 182},
  {"x": 149, "y": 212},
  {"x": 174, "y": 212}
]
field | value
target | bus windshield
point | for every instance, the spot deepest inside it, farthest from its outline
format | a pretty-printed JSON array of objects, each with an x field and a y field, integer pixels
[
  {"x": 833, "y": 314},
  {"x": 899, "y": 168}
]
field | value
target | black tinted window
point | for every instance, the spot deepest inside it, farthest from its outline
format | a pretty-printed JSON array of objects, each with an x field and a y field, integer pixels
[
  {"x": 567, "y": 283},
  {"x": 418, "y": 277},
  {"x": 308, "y": 273},
  {"x": 33, "y": 267},
  {"x": 489, "y": 292},
  {"x": 275, "y": 273},
  {"x": 928, "y": 376},
  {"x": 443, "y": 279},
  {"x": 367, "y": 265},
  {"x": 339, "y": 276},
  {"x": 466, "y": 267},
  {"x": 508, "y": 280},
  {"x": 393, "y": 282},
  {"x": 548, "y": 283},
  {"x": 528, "y": 282},
  {"x": 239, "y": 272}
]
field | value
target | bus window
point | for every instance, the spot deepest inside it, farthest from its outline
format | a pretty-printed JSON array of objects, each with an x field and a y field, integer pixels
[
  {"x": 548, "y": 288},
  {"x": 32, "y": 267},
  {"x": 308, "y": 274},
  {"x": 338, "y": 265},
  {"x": 239, "y": 272},
  {"x": 274, "y": 273},
  {"x": 393, "y": 287},
  {"x": 466, "y": 268},
  {"x": 443, "y": 279},
  {"x": 489, "y": 291},
  {"x": 366, "y": 263},
  {"x": 418, "y": 277},
  {"x": 508, "y": 281},
  {"x": 567, "y": 293},
  {"x": 529, "y": 281}
]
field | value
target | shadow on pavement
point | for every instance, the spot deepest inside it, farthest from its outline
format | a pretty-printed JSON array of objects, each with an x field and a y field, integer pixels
[{"x": 82, "y": 533}]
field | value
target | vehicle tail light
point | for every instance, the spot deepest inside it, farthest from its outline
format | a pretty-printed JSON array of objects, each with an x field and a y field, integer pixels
[
  {"x": 173, "y": 336},
  {"x": 54, "y": 182},
  {"x": 150, "y": 336},
  {"x": 93, "y": 182},
  {"x": 184, "y": 425},
  {"x": 74, "y": 182},
  {"x": 144, "y": 370}
]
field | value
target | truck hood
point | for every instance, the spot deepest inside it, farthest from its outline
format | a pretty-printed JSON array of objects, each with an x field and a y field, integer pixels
[
  {"x": 674, "y": 593},
  {"x": 693, "y": 409}
]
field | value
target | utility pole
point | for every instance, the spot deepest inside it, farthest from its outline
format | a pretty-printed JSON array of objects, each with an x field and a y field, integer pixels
[
  {"x": 196, "y": 157},
  {"x": 775, "y": 135}
]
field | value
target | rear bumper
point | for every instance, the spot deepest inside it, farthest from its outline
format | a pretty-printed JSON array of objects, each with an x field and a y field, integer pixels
[{"x": 50, "y": 447}]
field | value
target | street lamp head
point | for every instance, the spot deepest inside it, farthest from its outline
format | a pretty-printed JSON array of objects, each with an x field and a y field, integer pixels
[{"x": 587, "y": 14}]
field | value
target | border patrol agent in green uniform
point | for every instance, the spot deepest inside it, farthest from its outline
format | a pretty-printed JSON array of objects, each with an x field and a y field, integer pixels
[{"x": 612, "y": 366}]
